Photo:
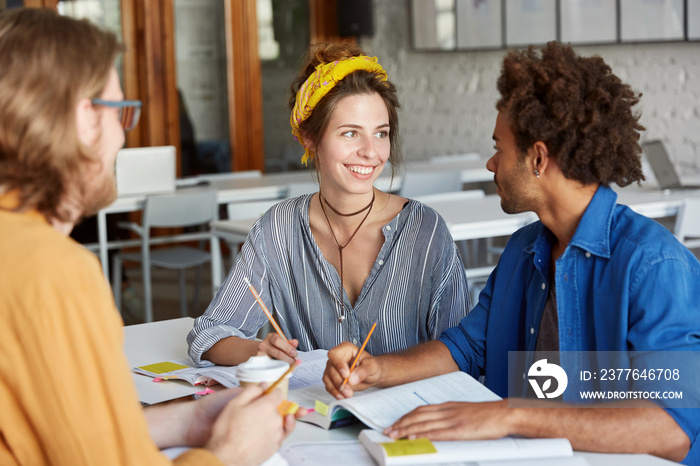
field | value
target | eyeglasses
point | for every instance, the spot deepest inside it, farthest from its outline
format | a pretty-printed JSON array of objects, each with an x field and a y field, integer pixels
[{"x": 129, "y": 111}]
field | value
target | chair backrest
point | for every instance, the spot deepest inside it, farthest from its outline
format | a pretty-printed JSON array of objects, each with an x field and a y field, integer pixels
[
  {"x": 688, "y": 220},
  {"x": 211, "y": 177},
  {"x": 451, "y": 196},
  {"x": 298, "y": 189},
  {"x": 180, "y": 209},
  {"x": 145, "y": 170},
  {"x": 230, "y": 175},
  {"x": 246, "y": 210},
  {"x": 470, "y": 157},
  {"x": 431, "y": 182}
]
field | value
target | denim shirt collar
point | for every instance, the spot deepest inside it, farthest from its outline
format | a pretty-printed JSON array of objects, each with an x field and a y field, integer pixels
[{"x": 593, "y": 231}]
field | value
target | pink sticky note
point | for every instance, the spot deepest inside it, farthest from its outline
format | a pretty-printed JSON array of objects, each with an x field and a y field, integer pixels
[
  {"x": 205, "y": 391},
  {"x": 158, "y": 379}
]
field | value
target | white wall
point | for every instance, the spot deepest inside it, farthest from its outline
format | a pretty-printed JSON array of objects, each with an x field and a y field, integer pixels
[{"x": 449, "y": 98}]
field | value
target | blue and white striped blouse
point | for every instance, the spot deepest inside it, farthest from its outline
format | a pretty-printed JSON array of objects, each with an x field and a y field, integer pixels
[{"x": 416, "y": 289}]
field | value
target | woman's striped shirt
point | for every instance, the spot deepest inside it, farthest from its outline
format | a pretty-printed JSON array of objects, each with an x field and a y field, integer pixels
[{"x": 416, "y": 289}]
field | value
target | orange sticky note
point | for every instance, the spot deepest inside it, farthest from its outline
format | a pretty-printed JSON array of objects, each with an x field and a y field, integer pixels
[{"x": 287, "y": 407}]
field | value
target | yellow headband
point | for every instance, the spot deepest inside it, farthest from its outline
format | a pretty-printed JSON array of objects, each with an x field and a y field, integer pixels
[{"x": 326, "y": 76}]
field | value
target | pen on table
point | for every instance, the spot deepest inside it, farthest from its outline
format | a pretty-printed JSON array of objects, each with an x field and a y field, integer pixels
[
  {"x": 357, "y": 358},
  {"x": 269, "y": 389},
  {"x": 264, "y": 308}
]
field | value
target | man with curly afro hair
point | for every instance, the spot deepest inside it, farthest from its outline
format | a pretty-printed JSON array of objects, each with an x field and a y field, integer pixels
[{"x": 591, "y": 282}]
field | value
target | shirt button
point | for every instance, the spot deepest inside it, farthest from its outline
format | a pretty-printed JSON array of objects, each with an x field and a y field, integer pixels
[
  {"x": 532, "y": 330},
  {"x": 544, "y": 286},
  {"x": 388, "y": 228},
  {"x": 354, "y": 341},
  {"x": 381, "y": 262},
  {"x": 566, "y": 277},
  {"x": 588, "y": 254}
]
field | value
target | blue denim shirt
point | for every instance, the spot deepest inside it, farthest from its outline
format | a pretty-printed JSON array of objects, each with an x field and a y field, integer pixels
[{"x": 624, "y": 283}]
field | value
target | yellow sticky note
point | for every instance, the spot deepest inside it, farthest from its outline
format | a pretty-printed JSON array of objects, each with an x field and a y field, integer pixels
[
  {"x": 321, "y": 408},
  {"x": 162, "y": 367},
  {"x": 419, "y": 446}
]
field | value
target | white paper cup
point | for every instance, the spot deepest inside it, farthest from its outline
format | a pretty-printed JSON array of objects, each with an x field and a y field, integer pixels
[{"x": 259, "y": 369}]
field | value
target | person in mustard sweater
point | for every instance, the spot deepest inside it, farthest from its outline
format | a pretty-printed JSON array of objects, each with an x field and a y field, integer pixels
[{"x": 66, "y": 395}]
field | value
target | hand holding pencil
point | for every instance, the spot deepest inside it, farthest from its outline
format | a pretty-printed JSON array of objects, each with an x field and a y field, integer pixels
[
  {"x": 357, "y": 357},
  {"x": 350, "y": 368},
  {"x": 275, "y": 345}
]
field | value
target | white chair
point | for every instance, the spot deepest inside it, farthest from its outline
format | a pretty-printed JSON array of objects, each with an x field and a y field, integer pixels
[
  {"x": 208, "y": 177},
  {"x": 251, "y": 209},
  {"x": 145, "y": 170},
  {"x": 476, "y": 278},
  {"x": 245, "y": 211},
  {"x": 168, "y": 211},
  {"x": 470, "y": 157},
  {"x": 451, "y": 196},
  {"x": 301, "y": 188},
  {"x": 688, "y": 223},
  {"x": 429, "y": 199},
  {"x": 419, "y": 183},
  {"x": 230, "y": 175}
]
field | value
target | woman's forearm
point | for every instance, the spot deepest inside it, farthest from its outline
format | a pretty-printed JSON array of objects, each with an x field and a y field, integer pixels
[{"x": 231, "y": 351}]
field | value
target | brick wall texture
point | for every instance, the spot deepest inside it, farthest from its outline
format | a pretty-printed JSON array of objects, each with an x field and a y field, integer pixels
[{"x": 448, "y": 97}]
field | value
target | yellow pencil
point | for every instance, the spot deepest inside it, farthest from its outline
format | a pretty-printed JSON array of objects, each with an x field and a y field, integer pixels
[
  {"x": 357, "y": 358},
  {"x": 269, "y": 389},
  {"x": 264, "y": 308}
]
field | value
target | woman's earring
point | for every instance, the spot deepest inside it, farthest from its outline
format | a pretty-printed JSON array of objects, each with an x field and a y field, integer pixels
[{"x": 537, "y": 173}]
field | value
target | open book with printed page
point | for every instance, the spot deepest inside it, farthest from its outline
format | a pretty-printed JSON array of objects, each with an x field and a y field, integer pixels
[
  {"x": 380, "y": 408},
  {"x": 308, "y": 373}
]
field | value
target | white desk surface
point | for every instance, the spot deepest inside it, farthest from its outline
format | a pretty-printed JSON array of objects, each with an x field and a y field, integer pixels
[
  {"x": 164, "y": 340},
  {"x": 652, "y": 202},
  {"x": 158, "y": 342},
  {"x": 466, "y": 218},
  {"x": 483, "y": 217},
  {"x": 274, "y": 186}
]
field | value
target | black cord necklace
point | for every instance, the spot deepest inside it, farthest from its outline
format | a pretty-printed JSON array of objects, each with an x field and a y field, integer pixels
[{"x": 368, "y": 208}]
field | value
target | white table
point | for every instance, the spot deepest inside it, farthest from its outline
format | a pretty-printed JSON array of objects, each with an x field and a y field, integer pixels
[
  {"x": 231, "y": 190},
  {"x": 157, "y": 342},
  {"x": 272, "y": 186},
  {"x": 652, "y": 202},
  {"x": 466, "y": 219},
  {"x": 484, "y": 218},
  {"x": 472, "y": 170},
  {"x": 165, "y": 340}
]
